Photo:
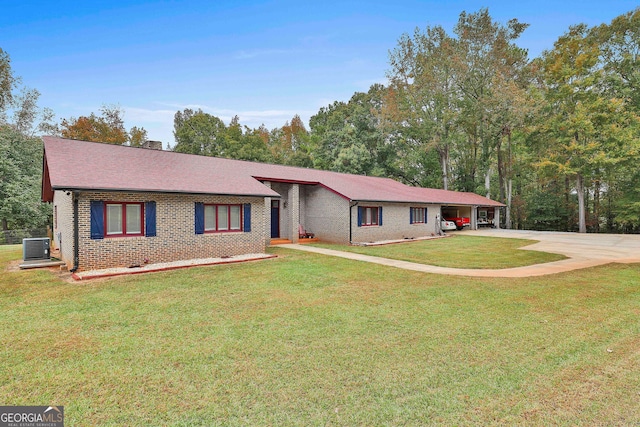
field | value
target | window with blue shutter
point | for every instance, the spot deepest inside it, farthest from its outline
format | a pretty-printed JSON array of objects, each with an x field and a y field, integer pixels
[
  {"x": 97, "y": 219},
  {"x": 369, "y": 215},
  {"x": 418, "y": 215},
  {"x": 150, "y": 219},
  {"x": 199, "y": 218}
]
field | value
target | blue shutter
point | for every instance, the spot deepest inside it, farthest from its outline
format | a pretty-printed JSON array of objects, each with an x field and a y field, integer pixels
[
  {"x": 199, "y": 217},
  {"x": 247, "y": 217},
  {"x": 425, "y": 215},
  {"x": 150, "y": 219},
  {"x": 410, "y": 215},
  {"x": 380, "y": 215},
  {"x": 360, "y": 216},
  {"x": 97, "y": 219}
]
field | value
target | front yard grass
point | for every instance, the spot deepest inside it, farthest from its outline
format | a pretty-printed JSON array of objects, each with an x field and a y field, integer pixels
[
  {"x": 458, "y": 252},
  {"x": 306, "y": 339}
]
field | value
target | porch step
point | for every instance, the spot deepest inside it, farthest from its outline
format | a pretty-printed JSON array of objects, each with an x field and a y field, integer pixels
[
  {"x": 275, "y": 242},
  {"x": 311, "y": 240}
]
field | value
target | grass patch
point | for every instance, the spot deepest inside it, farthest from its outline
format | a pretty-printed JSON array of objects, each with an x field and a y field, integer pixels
[
  {"x": 458, "y": 252},
  {"x": 314, "y": 340}
]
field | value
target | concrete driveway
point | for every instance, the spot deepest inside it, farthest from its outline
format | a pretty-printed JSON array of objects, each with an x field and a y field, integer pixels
[
  {"x": 623, "y": 248},
  {"x": 582, "y": 250}
]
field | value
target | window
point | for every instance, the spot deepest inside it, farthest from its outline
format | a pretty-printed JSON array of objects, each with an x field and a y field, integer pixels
[
  {"x": 418, "y": 215},
  {"x": 220, "y": 218},
  {"x": 123, "y": 219},
  {"x": 369, "y": 216},
  {"x": 114, "y": 219}
]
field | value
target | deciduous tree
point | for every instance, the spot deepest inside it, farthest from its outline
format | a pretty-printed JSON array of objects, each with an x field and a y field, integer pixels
[{"x": 107, "y": 128}]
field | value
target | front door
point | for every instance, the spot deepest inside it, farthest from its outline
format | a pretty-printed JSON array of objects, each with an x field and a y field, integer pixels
[{"x": 275, "y": 219}]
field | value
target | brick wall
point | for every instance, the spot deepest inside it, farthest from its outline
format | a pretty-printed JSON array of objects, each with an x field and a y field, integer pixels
[
  {"x": 326, "y": 215},
  {"x": 63, "y": 225},
  {"x": 175, "y": 236},
  {"x": 395, "y": 223}
]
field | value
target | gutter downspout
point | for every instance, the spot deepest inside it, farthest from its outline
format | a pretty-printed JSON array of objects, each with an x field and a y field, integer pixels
[
  {"x": 351, "y": 206},
  {"x": 76, "y": 239}
]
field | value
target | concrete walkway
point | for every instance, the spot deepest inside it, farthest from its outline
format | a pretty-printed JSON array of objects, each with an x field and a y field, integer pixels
[{"x": 582, "y": 250}]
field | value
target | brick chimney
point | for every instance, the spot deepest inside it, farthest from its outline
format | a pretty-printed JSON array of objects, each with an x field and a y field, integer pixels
[{"x": 153, "y": 145}]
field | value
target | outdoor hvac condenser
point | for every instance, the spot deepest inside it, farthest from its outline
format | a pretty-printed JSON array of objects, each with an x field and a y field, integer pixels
[{"x": 36, "y": 249}]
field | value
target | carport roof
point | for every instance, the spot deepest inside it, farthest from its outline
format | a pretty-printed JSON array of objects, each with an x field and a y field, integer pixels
[{"x": 81, "y": 165}]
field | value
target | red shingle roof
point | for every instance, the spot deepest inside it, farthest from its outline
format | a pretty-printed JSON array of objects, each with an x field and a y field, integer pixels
[{"x": 81, "y": 165}]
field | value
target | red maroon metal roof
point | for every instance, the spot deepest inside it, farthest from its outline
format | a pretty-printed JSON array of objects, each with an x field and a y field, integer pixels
[{"x": 71, "y": 164}]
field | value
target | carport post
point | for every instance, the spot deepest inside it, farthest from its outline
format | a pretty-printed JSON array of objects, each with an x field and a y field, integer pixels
[
  {"x": 474, "y": 218},
  {"x": 496, "y": 217}
]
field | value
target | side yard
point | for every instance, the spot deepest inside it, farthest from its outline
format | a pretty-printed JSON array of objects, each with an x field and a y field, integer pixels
[{"x": 314, "y": 340}]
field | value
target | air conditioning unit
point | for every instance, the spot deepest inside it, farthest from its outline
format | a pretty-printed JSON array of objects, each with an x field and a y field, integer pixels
[{"x": 36, "y": 249}]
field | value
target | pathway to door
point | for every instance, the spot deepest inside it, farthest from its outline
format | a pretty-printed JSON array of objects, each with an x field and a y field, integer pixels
[{"x": 582, "y": 250}]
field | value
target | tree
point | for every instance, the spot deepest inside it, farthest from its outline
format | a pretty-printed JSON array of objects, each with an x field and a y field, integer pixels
[
  {"x": 619, "y": 44},
  {"x": 422, "y": 76},
  {"x": 289, "y": 145},
  {"x": 462, "y": 96},
  {"x": 591, "y": 133},
  {"x": 20, "y": 153},
  {"x": 349, "y": 137},
  {"x": 197, "y": 132},
  {"x": 107, "y": 128},
  {"x": 20, "y": 181},
  {"x": 137, "y": 136},
  {"x": 7, "y": 84}
]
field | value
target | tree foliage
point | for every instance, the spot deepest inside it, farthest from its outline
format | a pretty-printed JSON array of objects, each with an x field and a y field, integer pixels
[
  {"x": 20, "y": 152},
  {"x": 20, "y": 172},
  {"x": 108, "y": 128}
]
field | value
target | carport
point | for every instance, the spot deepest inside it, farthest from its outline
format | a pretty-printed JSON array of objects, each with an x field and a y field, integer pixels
[{"x": 479, "y": 215}]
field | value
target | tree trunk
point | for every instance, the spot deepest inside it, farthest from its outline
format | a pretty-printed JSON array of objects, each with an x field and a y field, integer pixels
[
  {"x": 444, "y": 164},
  {"x": 487, "y": 182},
  {"x": 445, "y": 174},
  {"x": 502, "y": 177},
  {"x": 5, "y": 225},
  {"x": 507, "y": 216},
  {"x": 582, "y": 224},
  {"x": 568, "y": 224},
  {"x": 596, "y": 205}
]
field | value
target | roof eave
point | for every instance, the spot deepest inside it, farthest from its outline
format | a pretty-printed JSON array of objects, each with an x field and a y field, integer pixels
[{"x": 137, "y": 190}]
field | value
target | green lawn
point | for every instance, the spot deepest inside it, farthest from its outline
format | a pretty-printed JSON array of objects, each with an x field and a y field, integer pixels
[
  {"x": 457, "y": 252},
  {"x": 305, "y": 339}
]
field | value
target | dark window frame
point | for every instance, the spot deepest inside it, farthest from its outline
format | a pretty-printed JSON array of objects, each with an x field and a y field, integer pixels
[
  {"x": 123, "y": 206},
  {"x": 216, "y": 228},
  {"x": 414, "y": 211},
  {"x": 372, "y": 209}
]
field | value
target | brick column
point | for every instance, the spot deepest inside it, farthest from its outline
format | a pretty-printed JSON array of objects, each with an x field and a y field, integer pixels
[
  {"x": 294, "y": 211},
  {"x": 267, "y": 216}
]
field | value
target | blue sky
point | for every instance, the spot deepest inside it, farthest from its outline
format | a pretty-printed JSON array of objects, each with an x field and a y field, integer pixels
[{"x": 261, "y": 60}]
